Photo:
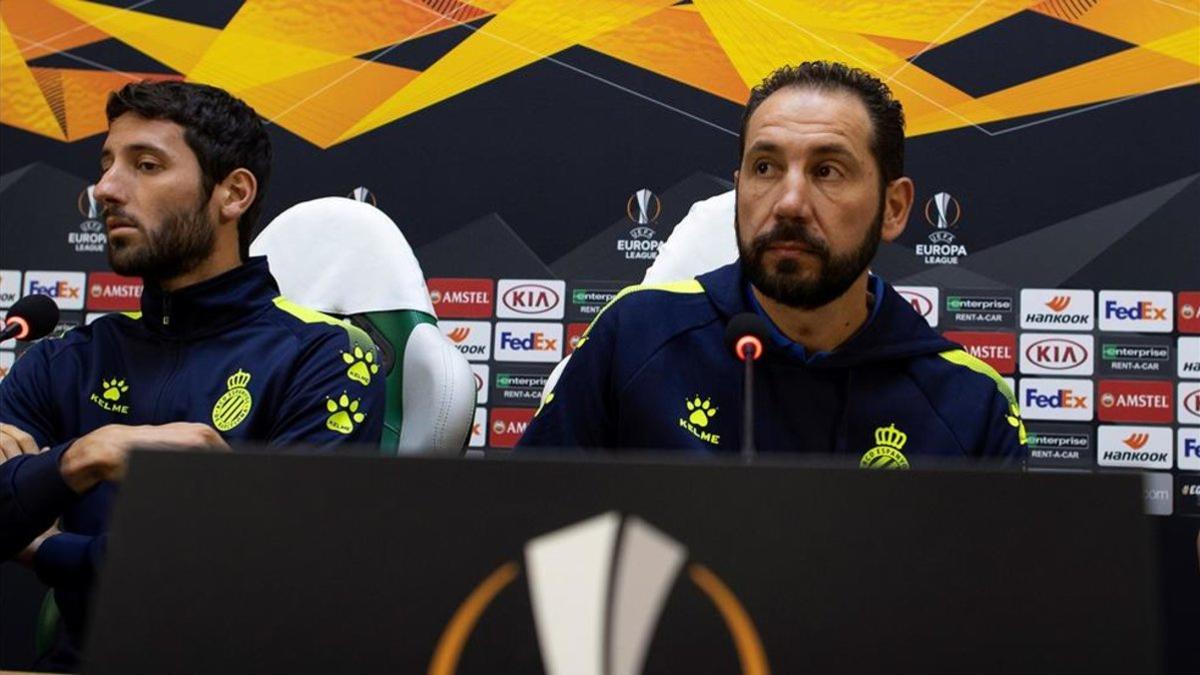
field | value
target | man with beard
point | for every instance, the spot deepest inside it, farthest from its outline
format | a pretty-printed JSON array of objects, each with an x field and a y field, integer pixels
[
  {"x": 850, "y": 368},
  {"x": 215, "y": 356}
]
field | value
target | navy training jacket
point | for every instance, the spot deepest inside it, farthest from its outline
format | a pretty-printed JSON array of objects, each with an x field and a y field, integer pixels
[
  {"x": 652, "y": 372},
  {"x": 229, "y": 352}
]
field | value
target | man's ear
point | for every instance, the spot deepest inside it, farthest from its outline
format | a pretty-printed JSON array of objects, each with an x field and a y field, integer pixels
[
  {"x": 235, "y": 194},
  {"x": 897, "y": 202}
]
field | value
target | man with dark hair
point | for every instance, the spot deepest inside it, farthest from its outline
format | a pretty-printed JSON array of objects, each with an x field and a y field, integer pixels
[
  {"x": 215, "y": 356},
  {"x": 850, "y": 369}
]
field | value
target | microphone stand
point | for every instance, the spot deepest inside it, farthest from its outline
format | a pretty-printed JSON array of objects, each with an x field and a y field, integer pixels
[{"x": 748, "y": 451}]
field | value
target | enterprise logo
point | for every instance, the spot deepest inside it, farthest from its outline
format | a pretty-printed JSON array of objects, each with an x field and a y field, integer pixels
[
  {"x": 1051, "y": 399},
  {"x": 1136, "y": 311}
]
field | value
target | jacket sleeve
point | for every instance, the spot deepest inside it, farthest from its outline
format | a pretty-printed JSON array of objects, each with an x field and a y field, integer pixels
[
  {"x": 32, "y": 491},
  {"x": 1004, "y": 435},
  {"x": 579, "y": 411},
  {"x": 333, "y": 401}
]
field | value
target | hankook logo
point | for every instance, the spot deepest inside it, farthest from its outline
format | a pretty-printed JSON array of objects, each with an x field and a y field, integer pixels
[{"x": 597, "y": 590}]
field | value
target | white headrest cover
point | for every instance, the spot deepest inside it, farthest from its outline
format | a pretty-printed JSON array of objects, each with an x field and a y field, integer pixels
[{"x": 342, "y": 256}]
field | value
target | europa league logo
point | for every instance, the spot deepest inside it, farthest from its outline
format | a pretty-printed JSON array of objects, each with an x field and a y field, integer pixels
[{"x": 644, "y": 207}]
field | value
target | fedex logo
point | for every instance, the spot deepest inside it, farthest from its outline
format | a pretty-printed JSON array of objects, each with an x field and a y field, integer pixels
[
  {"x": 1138, "y": 311},
  {"x": 1047, "y": 399},
  {"x": 536, "y": 342},
  {"x": 1189, "y": 448},
  {"x": 65, "y": 287}
]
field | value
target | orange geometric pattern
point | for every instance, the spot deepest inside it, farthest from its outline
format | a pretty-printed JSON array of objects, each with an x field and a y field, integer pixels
[{"x": 305, "y": 65}]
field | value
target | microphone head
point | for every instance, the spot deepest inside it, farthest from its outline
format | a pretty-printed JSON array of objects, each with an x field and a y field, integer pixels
[
  {"x": 747, "y": 332},
  {"x": 37, "y": 314}
]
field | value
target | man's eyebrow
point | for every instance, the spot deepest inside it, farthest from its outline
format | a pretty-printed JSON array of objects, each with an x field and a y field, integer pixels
[
  {"x": 763, "y": 146},
  {"x": 836, "y": 149}
]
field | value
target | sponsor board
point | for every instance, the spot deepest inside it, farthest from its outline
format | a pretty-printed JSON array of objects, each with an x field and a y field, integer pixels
[
  {"x": 1057, "y": 309},
  {"x": 1188, "y": 448},
  {"x": 1134, "y": 447},
  {"x": 472, "y": 338},
  {"x": 575, "y": 333},
  {"x": 1054, "y": 399},
  {"x": 66, "y": 288},
  {"x": 530, "y": 298},
  {"x": 1189, "y": 357},
  {"x": 1060, "y": 446},
  {"x": 7, "y": 359},
  {"x": 480, "y": 373},
  {"x": 1057, "y": 354},
  {"x": 1134, "y": 401},
  {"x": 979, "y": 309},
  {"x": 1136, "y": 311},
  {"x": 479, "y": 429},
  {"x": 1187, "y": 495},
  {"x": 113, "y": 292},
  {"x": 507, "y": 426},
  {"x": 1189, "y": 311},
  {"x": 461, "y": 298},
  {"x": 528, "y": 342},
  {"x": 1158, "y": 491},
  {"x": 998, "y": 350},
  {"x": 10, "y": 287},
  {"x": 924, "y": 301},
  {"x": 1134, "y": 355},
  {"x": 1189, "y": 402},
  {"x": 585, "y": 299},
  {"x": 519, "y": 386}
]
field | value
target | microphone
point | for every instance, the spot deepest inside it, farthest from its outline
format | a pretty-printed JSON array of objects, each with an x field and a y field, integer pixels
[
  {"x": 30, "y": 318},
  {"x": 746, "y": 336}
]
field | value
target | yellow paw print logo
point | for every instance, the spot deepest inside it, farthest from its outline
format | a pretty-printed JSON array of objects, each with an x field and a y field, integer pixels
[
  {"x": 343, "y": 414},
  {"x": 362, "y": 365},
  {"x": 113, "y": 388},
  {"x": 701, "y": 411}
]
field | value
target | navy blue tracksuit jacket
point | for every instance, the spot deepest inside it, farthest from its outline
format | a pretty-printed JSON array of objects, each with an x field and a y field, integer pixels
[
  {"x": 652, "y": 372},
  {"x": 229, "y": 352}
]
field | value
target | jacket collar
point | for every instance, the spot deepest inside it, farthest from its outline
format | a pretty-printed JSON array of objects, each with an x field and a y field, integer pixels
[
  {"x": 893, "y": 329},
  {"x": 210, "y": 306}
]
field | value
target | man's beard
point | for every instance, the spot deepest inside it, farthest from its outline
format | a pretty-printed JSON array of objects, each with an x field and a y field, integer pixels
[
  {"x": 177, "y": 246},
  {"x": 784, "y": 284}
]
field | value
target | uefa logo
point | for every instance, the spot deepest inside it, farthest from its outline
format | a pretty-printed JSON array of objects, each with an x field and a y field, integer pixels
[
  {"x": 643, "y": 207},
  {"x": 362, "y": 194},
  {"x": 89, "y": 208}
]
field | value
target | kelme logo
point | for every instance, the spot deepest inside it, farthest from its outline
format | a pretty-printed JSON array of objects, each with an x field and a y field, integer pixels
[
  {"x": 234, "y": 405},
  {"x": 889, "y": 441},
  {"x": 109, "y": 398},
  {"x": 343, "y": 414},
  {"x": 361, "y": 365},
  {"x": 699, "y": 415}
]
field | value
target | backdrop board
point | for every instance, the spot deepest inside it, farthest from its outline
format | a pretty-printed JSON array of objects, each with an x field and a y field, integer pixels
[{"x": 259, "y": 563}]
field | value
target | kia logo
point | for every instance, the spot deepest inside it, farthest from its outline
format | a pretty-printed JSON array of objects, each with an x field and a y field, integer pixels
[
  {"x": 1059, "y": 302},
  {"x": 530, "y": 299},
  {"x": 1056, "y": 353},
  {"x": 1192, "y": 402},
  {"x": 459, "y": 334},
  {"x": 1137, "y": 441},
  {"x": 921, "y": 304},
  {"x": 478, "y": 380}
]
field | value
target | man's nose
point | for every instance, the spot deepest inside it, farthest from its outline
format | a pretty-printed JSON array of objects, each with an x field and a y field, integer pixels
[
  {"x": 109, "y": 190},
  {"x": 794, "y": 200}
]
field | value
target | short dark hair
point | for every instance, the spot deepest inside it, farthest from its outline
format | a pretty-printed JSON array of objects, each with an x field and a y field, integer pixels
[
  {"x": 886, "y": 113},
  {"x": 223, "y": 132}
]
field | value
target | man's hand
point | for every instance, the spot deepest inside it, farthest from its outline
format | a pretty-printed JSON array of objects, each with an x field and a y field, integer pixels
[
  {"x": 102, "y": 454},
  {"x": 14, "y": 442}
]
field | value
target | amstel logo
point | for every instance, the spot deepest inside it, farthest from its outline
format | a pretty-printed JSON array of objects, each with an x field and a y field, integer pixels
[{"x": 597, "y": 589}]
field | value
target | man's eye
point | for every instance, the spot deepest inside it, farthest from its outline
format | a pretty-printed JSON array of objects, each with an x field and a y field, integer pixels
[
  {"x": 761, "y": 167},
  {"x": 147, "y": 165},
  {"x": 827, "y": 171}
]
